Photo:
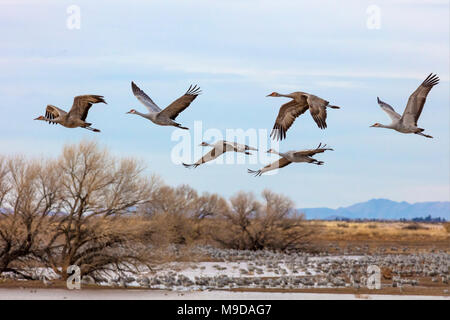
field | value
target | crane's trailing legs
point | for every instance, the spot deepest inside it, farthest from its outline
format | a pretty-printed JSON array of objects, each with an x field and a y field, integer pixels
[{"x": 424, "y": 135}]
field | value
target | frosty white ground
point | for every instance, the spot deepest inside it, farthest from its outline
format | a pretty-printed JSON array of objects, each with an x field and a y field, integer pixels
[{"x": 130, "y": 294}]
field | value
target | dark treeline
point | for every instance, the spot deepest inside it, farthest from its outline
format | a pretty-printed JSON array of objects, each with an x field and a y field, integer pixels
[{"x": 427, "y": 219}]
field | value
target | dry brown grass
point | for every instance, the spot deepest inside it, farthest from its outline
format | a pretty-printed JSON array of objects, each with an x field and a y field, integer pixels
[
  {"x": 447, "y": 227},
  {"x": 387, "y": 231}
]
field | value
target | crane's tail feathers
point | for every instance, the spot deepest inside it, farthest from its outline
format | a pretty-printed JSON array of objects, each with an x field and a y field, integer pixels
[
  {"x": 190, "y": 166},
  {"x": 319, "y": 163},
  {"x": 256, "y": 173},
  {"x": 333, "y": 107}
]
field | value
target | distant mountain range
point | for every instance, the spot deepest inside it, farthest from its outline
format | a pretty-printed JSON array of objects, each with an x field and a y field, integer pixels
[{"x": 381, "y": 209}]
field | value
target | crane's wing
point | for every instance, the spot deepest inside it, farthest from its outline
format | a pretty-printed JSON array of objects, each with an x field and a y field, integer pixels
[
  {"x": 238, "y": 147},
  {"x": 144, "y": 99},
  {"x": 211, "y": 155},
  {"x": 389, "y": 110},
  {"x": 280, "y": 163},
  {"x": 52, "y": 112},
  {"x": 82, "y": 104},
  {"x": 417, "y": 100},
  {"x": 176, "y": 107},
  {"x": 318, "y": 110},
  {"x": 320, "y": 148},
  {"x": 286, "y": 117}
]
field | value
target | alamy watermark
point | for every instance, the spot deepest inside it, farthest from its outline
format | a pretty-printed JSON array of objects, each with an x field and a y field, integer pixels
[
  {"x": 73, "y": 21},
  {"x": 74, "y": 278},
  {"x": 373, "y": 21},
  {"x": 188, "y": 147}
]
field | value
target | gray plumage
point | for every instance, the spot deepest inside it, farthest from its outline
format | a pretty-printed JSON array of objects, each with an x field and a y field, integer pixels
[
  {"x": 292, "y": 156},
  {"x": 407, "y": 123},
  {"x": 166, "y": 116},
  {"x": 219, "y": 148}
]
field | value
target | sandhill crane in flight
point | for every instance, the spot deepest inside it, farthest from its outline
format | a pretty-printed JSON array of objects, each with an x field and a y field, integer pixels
[
  {"x": 76, "y": 117},
  {"x": 301, "y": 101},
  {"x": 166, "y": 116},
  {"x": 292, "y": 156},
  {"x": 219, "y": 148},
  {"x": 407, "y": 123}
]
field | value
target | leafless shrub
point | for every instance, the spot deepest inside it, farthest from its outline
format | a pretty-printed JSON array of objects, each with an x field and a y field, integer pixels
[
  {"x": 249, "y": 224},
  {"x": 176, "y": 214},
  {"x": 414, "y": 226},
  {"x": 342, "y": 225}
]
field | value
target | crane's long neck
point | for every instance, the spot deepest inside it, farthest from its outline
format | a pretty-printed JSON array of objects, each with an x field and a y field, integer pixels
[
  {"x": 286, "y": 95},
  {"x": 140, "y": 114},
  {"x": 389, "y": 126}
]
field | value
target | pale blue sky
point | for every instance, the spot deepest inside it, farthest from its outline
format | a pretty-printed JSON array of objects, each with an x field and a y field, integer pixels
[{"x": 238, "y": 52}]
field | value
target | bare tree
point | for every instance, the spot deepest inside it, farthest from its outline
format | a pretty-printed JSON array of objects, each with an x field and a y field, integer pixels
[
  {"x": 28, "y": 195},
  {"x": 278, "y": 226},
  {"x": 238, "y": 231},
  {"x": 96, "y": 190},
  {"x": 4, "y": 188},
  {"x": 209, "y": 205}
]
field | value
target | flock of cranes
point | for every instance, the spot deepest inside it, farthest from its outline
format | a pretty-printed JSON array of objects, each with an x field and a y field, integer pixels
[{"x": 299, "y": 104}]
